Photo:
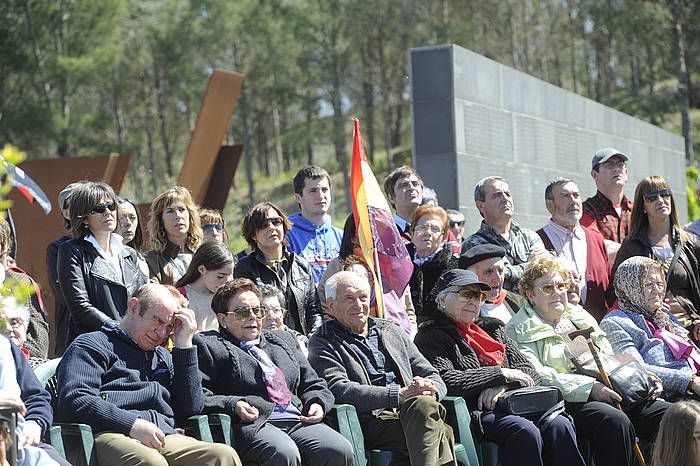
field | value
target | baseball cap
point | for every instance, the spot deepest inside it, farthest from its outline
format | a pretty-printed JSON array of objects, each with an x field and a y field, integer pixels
[
  {"x": 603, "y": 155},
  {"x": 458, "y": 277}
]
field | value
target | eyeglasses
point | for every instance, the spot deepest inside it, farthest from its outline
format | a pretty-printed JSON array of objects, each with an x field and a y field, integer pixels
[
  {"x": 472, "y": 295},
  {"x": 551, "y": 288},
  {"x": 102, "y": 207},
  {"x": 612, "y": 165},
  {"x": 213, "y": 226},
  {"x": 652, "y": 197},
  {"x": 457, "y": 224},
  {"x": 432, "y": 229},
  {"x": 658, "y": 286},
  {"x": 273, "y": 312},
  {"x": 274, "y": 221},
  {"x": 242, "y": 313}
]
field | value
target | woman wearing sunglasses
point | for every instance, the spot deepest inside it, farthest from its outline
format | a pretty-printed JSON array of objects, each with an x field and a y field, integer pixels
[
  {"x": 262, "y": 379},
  {"x": 656, "y": 233},
  {"x": 96, "y": 272},
  {"x": 540, "y": 329},
  {"x": 264, "y": 228},
  {"x": 479, "y": 363},
  {"x": 213, "y": 225}
]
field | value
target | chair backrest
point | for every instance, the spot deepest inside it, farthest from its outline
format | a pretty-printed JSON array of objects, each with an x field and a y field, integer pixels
[
  {"x": 46, "y": 370},
  {"x": 46, "y": 373}
]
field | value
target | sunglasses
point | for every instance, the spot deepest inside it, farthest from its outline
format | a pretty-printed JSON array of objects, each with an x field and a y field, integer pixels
[
  {"x": 551, "y": 288},
  {"x": 242, "y": 313},
  {"x": 457, "y": 224},
  {"x": 102, "y": 207},
  {"x": 472, "y": 295},
  {"x": 274, "y": 221},
  {"x": 652, "y": 197},
  {"x": 213, "y": 226}
]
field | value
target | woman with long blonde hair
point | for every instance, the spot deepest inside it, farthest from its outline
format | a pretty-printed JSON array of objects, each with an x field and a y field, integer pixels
[{"x": 175, "y": 234}]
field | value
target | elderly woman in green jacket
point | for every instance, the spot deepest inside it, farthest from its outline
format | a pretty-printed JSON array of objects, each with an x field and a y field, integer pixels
[{"x": 539, "y": 328}]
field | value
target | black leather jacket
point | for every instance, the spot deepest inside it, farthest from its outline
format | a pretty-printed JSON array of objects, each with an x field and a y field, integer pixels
[
  {"x": 303, "y": 304},
  {"x": 93, "y": 292}
]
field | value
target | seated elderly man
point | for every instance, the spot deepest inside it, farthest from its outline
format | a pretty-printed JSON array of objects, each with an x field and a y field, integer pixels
[
  {"x": 489, "y": 262},
  {"x": 130, "y": 389},
  {"x": 371, "y": 364}
]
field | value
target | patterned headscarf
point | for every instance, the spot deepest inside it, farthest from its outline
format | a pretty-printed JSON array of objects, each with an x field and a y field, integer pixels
[{"x": 630, "y": 279}]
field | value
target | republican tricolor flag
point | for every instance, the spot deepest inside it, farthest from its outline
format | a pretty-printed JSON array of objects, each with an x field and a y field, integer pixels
[{"x": 382, "y": 246}]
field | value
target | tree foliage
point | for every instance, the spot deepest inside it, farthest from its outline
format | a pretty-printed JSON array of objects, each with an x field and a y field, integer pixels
[{"x": 80, "y": 77}]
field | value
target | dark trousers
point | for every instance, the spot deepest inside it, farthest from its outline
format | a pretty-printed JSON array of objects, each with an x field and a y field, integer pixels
[
  {"x": 419, "y": 436},
  {"x": 294, "y": 443},
  {"x": 522, "y": 443},
  {"x": 612, "y": 432}
]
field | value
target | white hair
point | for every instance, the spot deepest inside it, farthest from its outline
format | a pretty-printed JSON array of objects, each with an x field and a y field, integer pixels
[
  {"x": 346, "y": 276},
  {"x": 11, "y": 308}
]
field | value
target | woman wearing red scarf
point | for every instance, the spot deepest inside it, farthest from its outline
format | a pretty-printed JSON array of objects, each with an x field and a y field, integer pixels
[{"x": 479, "y": 362}]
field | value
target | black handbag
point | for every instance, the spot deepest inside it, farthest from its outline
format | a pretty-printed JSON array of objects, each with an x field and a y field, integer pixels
[
  {"x": 540, "y": 404},
  {"x": 628, "y": 377}
]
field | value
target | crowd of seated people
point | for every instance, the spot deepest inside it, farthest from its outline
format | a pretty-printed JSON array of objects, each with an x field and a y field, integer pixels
[{"x": 276, "y": 335}]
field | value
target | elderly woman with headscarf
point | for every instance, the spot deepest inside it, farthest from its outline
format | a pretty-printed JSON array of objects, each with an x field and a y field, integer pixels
[
  {"x": 655, "y": 232},
  {"x": 480, "y": 363},
  {"x": 643, "y": 327}
]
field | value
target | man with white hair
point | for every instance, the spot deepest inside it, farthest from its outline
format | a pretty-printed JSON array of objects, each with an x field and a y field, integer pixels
[
  {"x": 584, "y": 247},
  {"x": 121, "y": 381},
  {"x": 371, "y": 364}
]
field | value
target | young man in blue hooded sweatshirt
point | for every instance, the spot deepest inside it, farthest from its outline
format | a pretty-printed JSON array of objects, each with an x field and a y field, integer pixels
[{"x": 312, "y": 236}]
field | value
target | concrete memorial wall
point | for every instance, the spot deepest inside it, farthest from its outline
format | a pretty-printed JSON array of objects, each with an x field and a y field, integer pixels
[{"x": 473, "y": 117}]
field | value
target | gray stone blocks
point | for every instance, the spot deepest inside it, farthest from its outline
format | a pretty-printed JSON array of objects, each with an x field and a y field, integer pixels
[{"x": 473, "y": 117}]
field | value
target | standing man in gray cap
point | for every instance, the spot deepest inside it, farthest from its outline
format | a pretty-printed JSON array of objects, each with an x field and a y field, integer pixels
[
  {"x": 609, "y": 211},
  {"x": 488, "y": 262}
]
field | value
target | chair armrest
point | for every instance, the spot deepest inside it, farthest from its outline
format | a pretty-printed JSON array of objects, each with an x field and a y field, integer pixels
[
  {"x": 198, "y": 427},
  {"x": 343, "y": 418},
  {"x": 220, "y": 427},
  {"x": 75, "y": 435},
  {"x": 459, "y": 418}
]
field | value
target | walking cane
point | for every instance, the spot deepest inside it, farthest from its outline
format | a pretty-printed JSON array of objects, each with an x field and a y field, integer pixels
[{"x": 586, "y": 333}]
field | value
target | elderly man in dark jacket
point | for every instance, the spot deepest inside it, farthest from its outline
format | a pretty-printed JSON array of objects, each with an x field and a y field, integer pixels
[
  {"x": 130, "y": 389},
  {"x": 371, "y": 364}
]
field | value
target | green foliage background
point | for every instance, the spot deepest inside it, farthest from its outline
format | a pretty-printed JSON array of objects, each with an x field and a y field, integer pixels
[{"x": 86, "y": 77}]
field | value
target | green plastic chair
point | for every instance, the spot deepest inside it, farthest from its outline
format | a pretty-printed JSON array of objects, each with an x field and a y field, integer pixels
[
  {"x": 458, "y": 418},
  {"x": 71, "y": 441}
]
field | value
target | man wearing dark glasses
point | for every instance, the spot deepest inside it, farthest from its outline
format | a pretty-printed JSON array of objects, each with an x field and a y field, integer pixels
[{"x": 609, "y": 211}]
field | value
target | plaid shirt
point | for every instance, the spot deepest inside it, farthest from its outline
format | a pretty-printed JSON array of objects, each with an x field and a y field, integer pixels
[{"x": 599, "y": 214}]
